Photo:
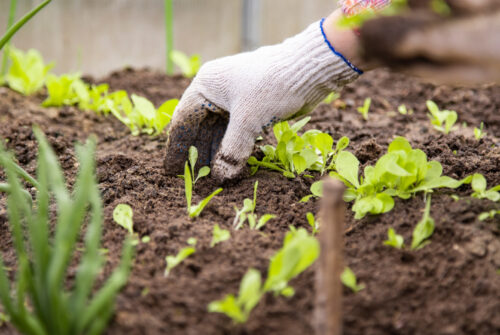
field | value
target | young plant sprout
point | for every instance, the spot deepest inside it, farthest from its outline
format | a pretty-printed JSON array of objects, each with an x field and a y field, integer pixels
[
  {"x": 312, "y": 222},
  {"x": 189, "y": 180},
  {"x": 442, "y": 121},
  {"x": 43, "y": 257},
  {"x": 424, "y": 228},
  {"x": 316, "y": 191},
  {"x": 478, "y": 184},
  {"x": 193, "y": 157},
  {"x": 488, "y": 215},
  {"x": 62, "y": 90},
  {"x": 365, "y": 109},
  {"x": 478, "y": 132},
  {"x": 295, "y": 154},
  {"x": 219, "y": 235},
  {"x": 299, "y": 251},
  {"x": 189, "y": 65},
  {"x": 247, "y": 213},
  {"x": 404, "y": 111},
  {"x": 401, "y": 172},
  {"x": 239, "y": 308},
  {"x": 331, "y": 97},
  {"x": 122, "y": 214},
  {"x": 173, "y": 261},
  {"x": 348, "y": 278},
  {"x": 394, "y": 240},
  {"x": 27, "y": 72}
]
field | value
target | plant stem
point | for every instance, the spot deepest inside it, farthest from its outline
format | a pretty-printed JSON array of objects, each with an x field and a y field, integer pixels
[
  {"x": 169, "y": 34},
  {"x": 12, "y": 30},
  {"x": 10, "y": 22}
]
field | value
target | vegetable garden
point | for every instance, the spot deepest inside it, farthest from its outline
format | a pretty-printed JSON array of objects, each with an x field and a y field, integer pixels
[{"x": 95, "y": 238}]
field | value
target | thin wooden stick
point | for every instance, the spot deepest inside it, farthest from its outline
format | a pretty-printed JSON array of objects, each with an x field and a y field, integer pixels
[{"x": 328, "y": 312}]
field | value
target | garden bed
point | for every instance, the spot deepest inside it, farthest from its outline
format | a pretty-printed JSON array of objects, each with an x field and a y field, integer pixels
[{"x": 451, "y": 286}]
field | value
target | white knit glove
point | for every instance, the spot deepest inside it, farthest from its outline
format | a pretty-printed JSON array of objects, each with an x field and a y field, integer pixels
[{"x": 248, "y": 92}]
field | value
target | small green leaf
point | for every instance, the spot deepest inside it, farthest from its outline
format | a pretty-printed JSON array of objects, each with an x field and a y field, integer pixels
[
  {"x": 347, "y": 166},
  {"x": 424, "y": 229},
  {"x": 122, "y": 214},
  {"x": 394, "y": 240},
  {"x": 195, "y": 211},
  {"x": 219, "y": 235},
  {"x": 348, "y": 278}
]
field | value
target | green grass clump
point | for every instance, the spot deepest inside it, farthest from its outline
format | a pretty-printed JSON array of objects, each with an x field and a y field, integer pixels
[{"x": 39, "y": 301}]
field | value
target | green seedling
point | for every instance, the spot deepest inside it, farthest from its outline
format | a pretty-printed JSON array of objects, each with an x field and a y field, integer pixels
[
  {"x": 140, "y": 115},
  {"x": 189, "y": 65},
  {"x": 299, "y": 251},
  {"x": 61, "y": 90},
  {"x": 312, "y": 222},
  {"x": 440, "y": 7},
  {"x": 394, "y": 240},
  {"x": 27, "y": 72},
  {"x": 173, "y": 261},
  {"x": 294, "y": 154},
  {"x": 38, "y": 300},
  {"x": 478, "y": 184},
  {"x": 365, "y": 109},
  {"x": 316, "y": 191},
  {"x": 404, "y": 111},
  {"x": 123, "y": 214},
  {"x": 478, "y": 132},
  {"x": 194, "y": 211},
  {"x": 348, "y": 278},
  {"x": 401, "y": 172},
  {"x": 193, "y": 157},
  {"x": 424, "y": 228},
  {"x": 488, "y": 215},
  {"x": 331, "y": 98},
  {"x": 219, "y": 235},
  {"x": 239, "y": 308},
  {"x": 442, "y": 121},
  {"x": 247, "y": 212}
]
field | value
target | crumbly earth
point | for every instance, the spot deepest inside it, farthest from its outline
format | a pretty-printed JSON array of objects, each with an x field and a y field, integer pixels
[{"x": 451, "y": 286}]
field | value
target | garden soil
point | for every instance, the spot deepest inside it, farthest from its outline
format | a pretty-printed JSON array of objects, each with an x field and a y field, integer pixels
[{"x": 451, "y": 286}]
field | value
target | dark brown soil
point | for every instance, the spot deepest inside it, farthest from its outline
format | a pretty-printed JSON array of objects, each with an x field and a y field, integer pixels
[{"x": 451, "y": 286}]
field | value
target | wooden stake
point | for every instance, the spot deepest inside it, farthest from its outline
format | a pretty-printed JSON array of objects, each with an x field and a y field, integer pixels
[{"x": 328, "y": 312}]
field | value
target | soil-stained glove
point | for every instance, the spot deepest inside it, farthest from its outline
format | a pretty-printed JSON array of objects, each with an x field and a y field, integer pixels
[{"x": 232, "y": 99}]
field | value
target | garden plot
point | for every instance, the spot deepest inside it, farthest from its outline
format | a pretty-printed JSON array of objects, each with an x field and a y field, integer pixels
[{"x": 450, "y": 286}]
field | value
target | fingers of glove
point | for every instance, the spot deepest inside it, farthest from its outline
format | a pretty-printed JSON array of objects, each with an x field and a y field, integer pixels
[
  {"x": 196, "y": 123},
  {"x": 234, "y": 150}
]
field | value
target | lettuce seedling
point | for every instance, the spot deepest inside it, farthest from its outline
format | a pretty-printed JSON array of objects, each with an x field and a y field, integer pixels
[
  {"x": 27, "y": 72},
  {"x": 442, "y": 121},
  {"x": 189, "y": 65},
  {"x": 478, "y": 184},
  {"x": 348, "y": 278},
  {"x": 123, "y": 214},
  {"x": 239, "y": 309},
  {"x": 312, "y": 222},
  {"x": 478, "y": 132},
  {"x": 219, "y": 235},
  {"x": 295, "y": 154},
  {"x": 194, "y": 211},
  {"x": 488, "y": 215},
  {"x": 173, "y": 261},
  {"x": 424, "y": 228},
  {"x": 299, "y": 251},
  {"x": 316, "y": 191},
  {"x": 365, "y": 109},
  {"x": 247, "y": 213},
  {"x": 61, "y": 90},
  {"x": 331, "y": 97},
  {"x": 401, "y": 172},
  {"x": 394, "y": 240},
  {"x": 404, "y": 111},
  {"x": 193, "y": 157}
]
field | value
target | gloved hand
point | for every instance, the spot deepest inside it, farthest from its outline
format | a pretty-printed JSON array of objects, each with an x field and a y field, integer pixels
[{"x": 232, "y": 99}]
